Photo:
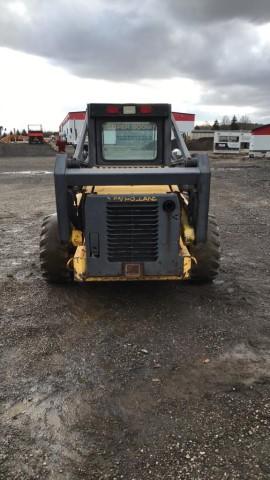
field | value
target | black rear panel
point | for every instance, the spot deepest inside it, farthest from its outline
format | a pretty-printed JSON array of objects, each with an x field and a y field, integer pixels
[
  {"x": 132, "y": 231},
  {"x": 126, "y": 230}
]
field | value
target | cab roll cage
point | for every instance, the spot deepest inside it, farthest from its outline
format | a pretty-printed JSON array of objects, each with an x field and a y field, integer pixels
[{"x": 191, "y": 174}]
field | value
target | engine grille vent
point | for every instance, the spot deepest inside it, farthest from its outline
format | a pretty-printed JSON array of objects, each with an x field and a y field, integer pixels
[{"x": 132, "y": 231}]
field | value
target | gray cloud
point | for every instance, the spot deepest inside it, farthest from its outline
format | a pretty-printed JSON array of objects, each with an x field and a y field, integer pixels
[
  {"x": 209, "y": 11},
  {"x": 215, "y": 43}
]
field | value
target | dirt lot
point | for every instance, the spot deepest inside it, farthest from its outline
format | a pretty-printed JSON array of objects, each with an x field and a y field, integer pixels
[{"x": 136, "y": 381}]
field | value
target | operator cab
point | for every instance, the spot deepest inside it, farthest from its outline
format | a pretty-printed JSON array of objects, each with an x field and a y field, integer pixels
[{"x": 131, "y": 135}]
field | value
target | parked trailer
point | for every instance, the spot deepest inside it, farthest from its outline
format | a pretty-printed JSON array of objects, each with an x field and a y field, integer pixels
[{"x": 231, "y": 141}]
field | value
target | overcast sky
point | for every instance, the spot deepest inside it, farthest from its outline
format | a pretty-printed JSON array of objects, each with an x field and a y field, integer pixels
[{"x": 209, "y": 57}]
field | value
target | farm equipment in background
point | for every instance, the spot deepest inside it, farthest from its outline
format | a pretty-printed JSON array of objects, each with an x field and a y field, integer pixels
[
  {"x": 12, "y": 138},
  {"x": 134, "y": 207},
  {"x": 35, "y": 134}
]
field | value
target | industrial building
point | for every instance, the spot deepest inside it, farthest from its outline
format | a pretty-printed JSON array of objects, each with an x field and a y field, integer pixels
[
  {"x": 72, "y": 124},
  {"x": 260, "y": 141},
  {"x": 185, "y": 121},
  {"x": 201, "y": 134}
]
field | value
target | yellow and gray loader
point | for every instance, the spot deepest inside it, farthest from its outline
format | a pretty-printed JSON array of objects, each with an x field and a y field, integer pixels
[{"x": 132, "y": 203}]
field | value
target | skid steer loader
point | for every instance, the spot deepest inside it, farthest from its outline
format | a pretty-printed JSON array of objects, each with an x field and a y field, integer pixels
[{"x": 133, "y": 205}]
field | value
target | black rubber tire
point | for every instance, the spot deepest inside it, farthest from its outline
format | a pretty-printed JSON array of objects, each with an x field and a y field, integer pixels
[
  {"x": 53, "y": 254},
  {"x": 207, "y": 255}
]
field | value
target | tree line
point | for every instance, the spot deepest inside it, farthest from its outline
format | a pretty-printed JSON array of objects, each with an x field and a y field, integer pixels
[
  {"x": 17, "y": 132},
  {"x": 4, "y": 132},
  {"x": 243, "y": 123}
]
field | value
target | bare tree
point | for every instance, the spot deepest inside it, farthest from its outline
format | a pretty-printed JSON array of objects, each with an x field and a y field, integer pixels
[
  {"x": 225, "y": 122},
  {"x": 245, "y": 122}
]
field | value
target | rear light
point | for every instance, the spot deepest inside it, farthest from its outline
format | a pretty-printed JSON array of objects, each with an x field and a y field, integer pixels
[
  {"x": 112, "y": 109},
  {"x": 146, "y": 109},
  {"x": 129, "y": 109}
]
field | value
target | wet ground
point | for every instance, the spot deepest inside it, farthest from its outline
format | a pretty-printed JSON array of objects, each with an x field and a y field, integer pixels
[{"x": 136, "y": 381}]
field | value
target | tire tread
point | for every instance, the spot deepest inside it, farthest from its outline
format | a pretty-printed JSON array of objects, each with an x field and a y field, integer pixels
[
  {"x": 53, "y": 255},
  {"x": 207, "y": 255}
]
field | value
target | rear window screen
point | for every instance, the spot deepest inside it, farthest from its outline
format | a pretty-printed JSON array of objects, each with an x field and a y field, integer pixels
[{"x": 129, "y": 140}]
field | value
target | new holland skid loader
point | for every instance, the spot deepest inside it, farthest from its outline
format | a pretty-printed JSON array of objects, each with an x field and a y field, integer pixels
[{"x": 132, "y": 203}]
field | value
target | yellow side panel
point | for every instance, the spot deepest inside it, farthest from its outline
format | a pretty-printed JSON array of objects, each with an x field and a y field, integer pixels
[
  {"x": 79, "y": 263},
  {"x": 76, "y": 237},
  {"x": 132, "y": 189}
]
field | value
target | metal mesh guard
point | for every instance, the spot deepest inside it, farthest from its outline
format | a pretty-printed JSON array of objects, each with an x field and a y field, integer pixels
[{"x": 132, "y": 231}]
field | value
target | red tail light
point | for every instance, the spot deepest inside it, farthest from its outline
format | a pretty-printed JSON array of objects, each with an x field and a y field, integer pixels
[
  {"x": 146, "y": 109},
  {"x": 112, "y": 109}
]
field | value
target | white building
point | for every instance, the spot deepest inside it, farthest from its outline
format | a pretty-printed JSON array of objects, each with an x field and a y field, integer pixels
[
  {"x": 72, "y": 124},
  {"x": 231, "y": 141},
  {"x": 185, "y": 121},
  {"x": 260, "y": 141}
]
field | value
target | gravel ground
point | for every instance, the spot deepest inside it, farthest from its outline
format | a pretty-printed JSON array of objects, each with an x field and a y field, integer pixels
[{"x": 135, "y": 381}]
